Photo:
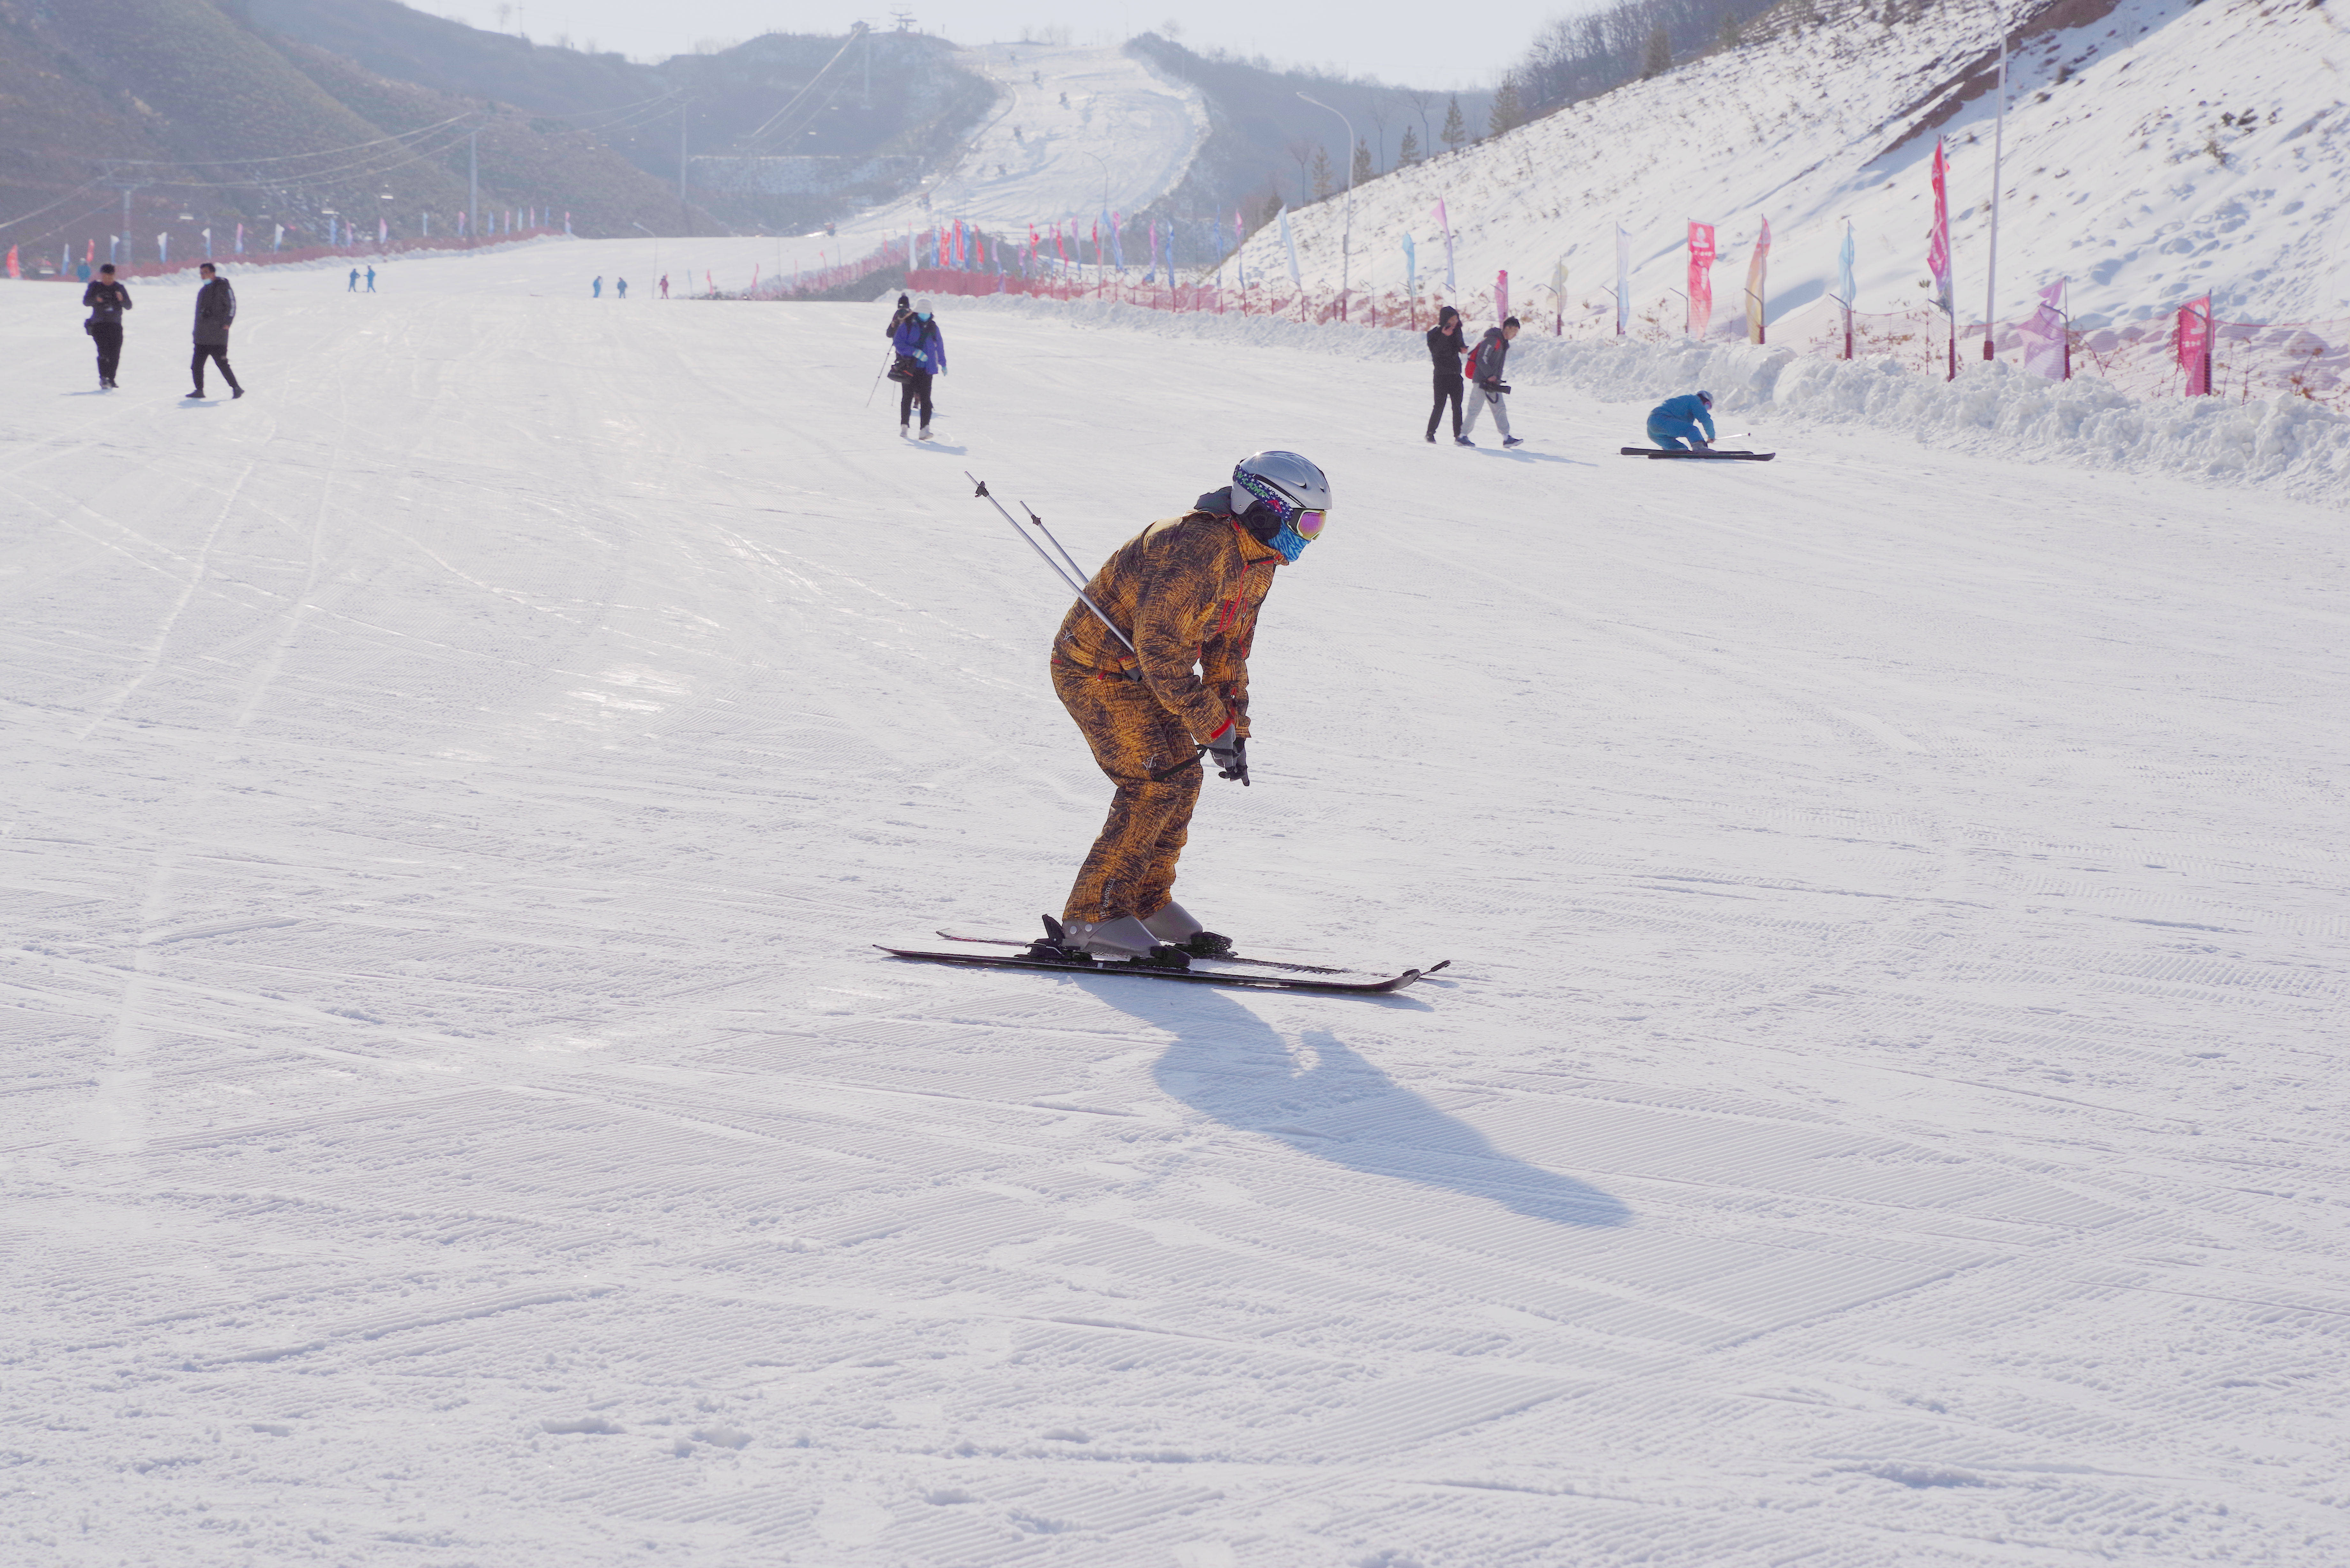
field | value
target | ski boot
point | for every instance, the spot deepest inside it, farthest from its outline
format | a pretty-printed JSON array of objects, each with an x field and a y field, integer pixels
[
  {"x": 1123, "y": 940},
  {"x": 1177, "y": 927}
]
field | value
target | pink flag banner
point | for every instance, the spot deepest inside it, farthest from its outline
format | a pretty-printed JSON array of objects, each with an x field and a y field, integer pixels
[
  {"x": 1937, "y": 253},
  {"x": 1757, "y": 277},
  {"x": 1501, "y": 294},
  {"x": 2194, "y": 338},
  {"x": 1937, "y": 240},
  {"x": 2047, "y": 346},
  {"x": 12, "y": 262},
  {"x": 1701, "y": 279},
  {"x": 1445, "y": 224}
]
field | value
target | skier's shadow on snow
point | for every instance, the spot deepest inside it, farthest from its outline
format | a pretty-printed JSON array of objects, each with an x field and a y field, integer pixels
[{"x": 1323, "y": 1099}]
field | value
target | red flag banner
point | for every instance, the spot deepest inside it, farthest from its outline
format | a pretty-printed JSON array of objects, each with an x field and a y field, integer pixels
[
  {"x": 2194, "y": 338},
  {"x": 1700, "y": 278},
  {"x": 1501, "y": 294},
  {"x": 1756, "y": 270}
]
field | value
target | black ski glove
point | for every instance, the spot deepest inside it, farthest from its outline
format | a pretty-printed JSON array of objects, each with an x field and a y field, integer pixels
[{"x": 1230, "y": 754}]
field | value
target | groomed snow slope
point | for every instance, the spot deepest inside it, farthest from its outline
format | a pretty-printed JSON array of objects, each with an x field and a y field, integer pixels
[
  {"x": 1888, "y": 1106},
  {"x": 1035, "y": 158},
  {"x": 2160, "y": 152}
]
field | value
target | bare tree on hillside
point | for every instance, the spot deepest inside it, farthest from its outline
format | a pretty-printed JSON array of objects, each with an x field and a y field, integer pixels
[
  {"x": 1379, "y": 119},
  {"x": 1305, "y": 152},
  {"x": 1419, "y": 102}
]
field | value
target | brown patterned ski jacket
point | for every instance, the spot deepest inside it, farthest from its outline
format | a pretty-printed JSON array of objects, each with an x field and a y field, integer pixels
[{"x": 1186, "y": 590}]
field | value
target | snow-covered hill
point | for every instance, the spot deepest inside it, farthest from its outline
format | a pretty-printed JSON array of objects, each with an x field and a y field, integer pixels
[{"x": 2156, "y": 149}]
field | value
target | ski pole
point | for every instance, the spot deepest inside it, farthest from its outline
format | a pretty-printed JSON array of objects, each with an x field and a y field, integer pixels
[
  {"x": 1039, "y": 522},
  {"x": 1076, "y": 584},
  {"x": 887, "y": 360}
]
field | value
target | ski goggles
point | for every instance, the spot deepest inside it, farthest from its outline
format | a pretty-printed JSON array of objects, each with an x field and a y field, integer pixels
[{"x": 1304, "y": 525}]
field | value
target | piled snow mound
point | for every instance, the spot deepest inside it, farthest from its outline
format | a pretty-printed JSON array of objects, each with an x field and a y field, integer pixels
[{"x": 2287, "y": 442}]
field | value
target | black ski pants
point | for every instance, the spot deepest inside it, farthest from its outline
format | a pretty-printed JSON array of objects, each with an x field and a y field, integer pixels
[
  {"x": 108, "y": 336},
  {"x": 915, "y": 389},
  {"x": 1448, "y": 385},
  {"x": 218, "y": 354}
]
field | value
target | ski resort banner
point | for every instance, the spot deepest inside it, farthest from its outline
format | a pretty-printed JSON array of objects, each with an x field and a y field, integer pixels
[
  {"x": 1700, "y": 315},
  {"x": 2194, "y": 339},
  {"x": 2047, "y": 342},
  {"x": 1937, "y": 253},
  {"x": 1757, "y": 272}
]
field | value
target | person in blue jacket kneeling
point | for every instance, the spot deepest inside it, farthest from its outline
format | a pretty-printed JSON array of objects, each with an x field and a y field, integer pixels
[{"x": 1673, "y": 423}]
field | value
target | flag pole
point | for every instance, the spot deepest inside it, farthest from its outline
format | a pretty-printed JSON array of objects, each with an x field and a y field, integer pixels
[{"x": 1998, "y": 146}]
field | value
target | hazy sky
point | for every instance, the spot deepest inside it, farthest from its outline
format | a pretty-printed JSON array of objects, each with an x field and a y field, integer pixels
[{"x": 1400, "y": 43}]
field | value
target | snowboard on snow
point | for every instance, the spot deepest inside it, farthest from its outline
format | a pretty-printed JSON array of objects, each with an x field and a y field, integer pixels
[{"x": 1698, "y": 456}]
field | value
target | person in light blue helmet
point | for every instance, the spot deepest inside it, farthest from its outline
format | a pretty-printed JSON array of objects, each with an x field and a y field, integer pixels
[{"x": 1673, "y": 423}]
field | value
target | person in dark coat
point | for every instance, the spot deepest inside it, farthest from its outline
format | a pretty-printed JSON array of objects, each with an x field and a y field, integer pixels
[
  {"x": 106, "y": 300},
  {"x": 216, "y": 310},
  {"x": 1487, "y": 364},
  {"x": 922, "y": 354},
  {"x": 1445, "y": 347}
]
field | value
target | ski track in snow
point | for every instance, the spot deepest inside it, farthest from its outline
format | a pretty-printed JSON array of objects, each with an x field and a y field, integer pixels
[{"x": 1886, "y": 1106}]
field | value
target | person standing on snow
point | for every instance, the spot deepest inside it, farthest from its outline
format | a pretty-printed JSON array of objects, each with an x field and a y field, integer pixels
[
  {"x": 106, "y": 300},
  {"x": 1486, "y": 363},
  {"x": 1673, "y": 423},
  {"x": 1186, "y": 591},
  {"x": 664, "y": 286},
  {"x": 624, "y": 288},
  {"x": 595, "y": 289},
  {"x": 354, "y": 285},
  {"x": 1445, "y": 347},
  {"x": 898, "y": 317},
  {"x": 922, "y": 354},
  {"x": 370, "y": 278},
  {"x": 216, "y": 310}
]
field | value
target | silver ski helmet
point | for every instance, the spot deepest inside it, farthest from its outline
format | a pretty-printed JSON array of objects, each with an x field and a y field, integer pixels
[{"x": 1291, "y": 500}]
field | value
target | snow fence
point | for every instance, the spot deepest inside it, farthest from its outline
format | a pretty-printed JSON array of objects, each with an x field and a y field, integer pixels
[{"x": 2286, "y": 442}]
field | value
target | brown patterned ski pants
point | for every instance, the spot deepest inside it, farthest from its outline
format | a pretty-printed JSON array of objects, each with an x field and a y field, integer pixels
[{"x": 1148, "y": 755}]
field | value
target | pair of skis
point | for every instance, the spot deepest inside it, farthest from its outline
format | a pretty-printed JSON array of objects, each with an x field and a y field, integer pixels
[
  {"x": 1698, "y": 456},
  {"x": 1136, "y": 968}
]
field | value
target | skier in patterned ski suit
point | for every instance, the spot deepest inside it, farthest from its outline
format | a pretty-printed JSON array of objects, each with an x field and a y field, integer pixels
[{"x": 1186, "y": 592}]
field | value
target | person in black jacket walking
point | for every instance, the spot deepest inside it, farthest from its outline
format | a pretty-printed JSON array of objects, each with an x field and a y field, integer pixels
[
  {"x": 215, "y": 309},
  {"x": 1445, "y": 347},
  {"x": 1487, "y": 364},
  {"x": 106, "y": 300}
]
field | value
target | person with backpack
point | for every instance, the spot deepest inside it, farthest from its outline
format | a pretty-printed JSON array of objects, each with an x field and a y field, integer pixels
[
  {"x": 1445, "y": 347},
  {"x": 216, "y": 310},
  {"x": 1487, "y": 361},
  {"x": 1170, "y": 683},
  {"x": 922, "y": 354},
  {"x": 1673, "y": 423},
  {"x": 105, "y": 300}
]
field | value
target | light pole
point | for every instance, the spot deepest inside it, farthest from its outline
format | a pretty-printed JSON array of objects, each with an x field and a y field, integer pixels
[
  {"x": 1998, "y": 145},
  {"x": 1347, "y": 242}
]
